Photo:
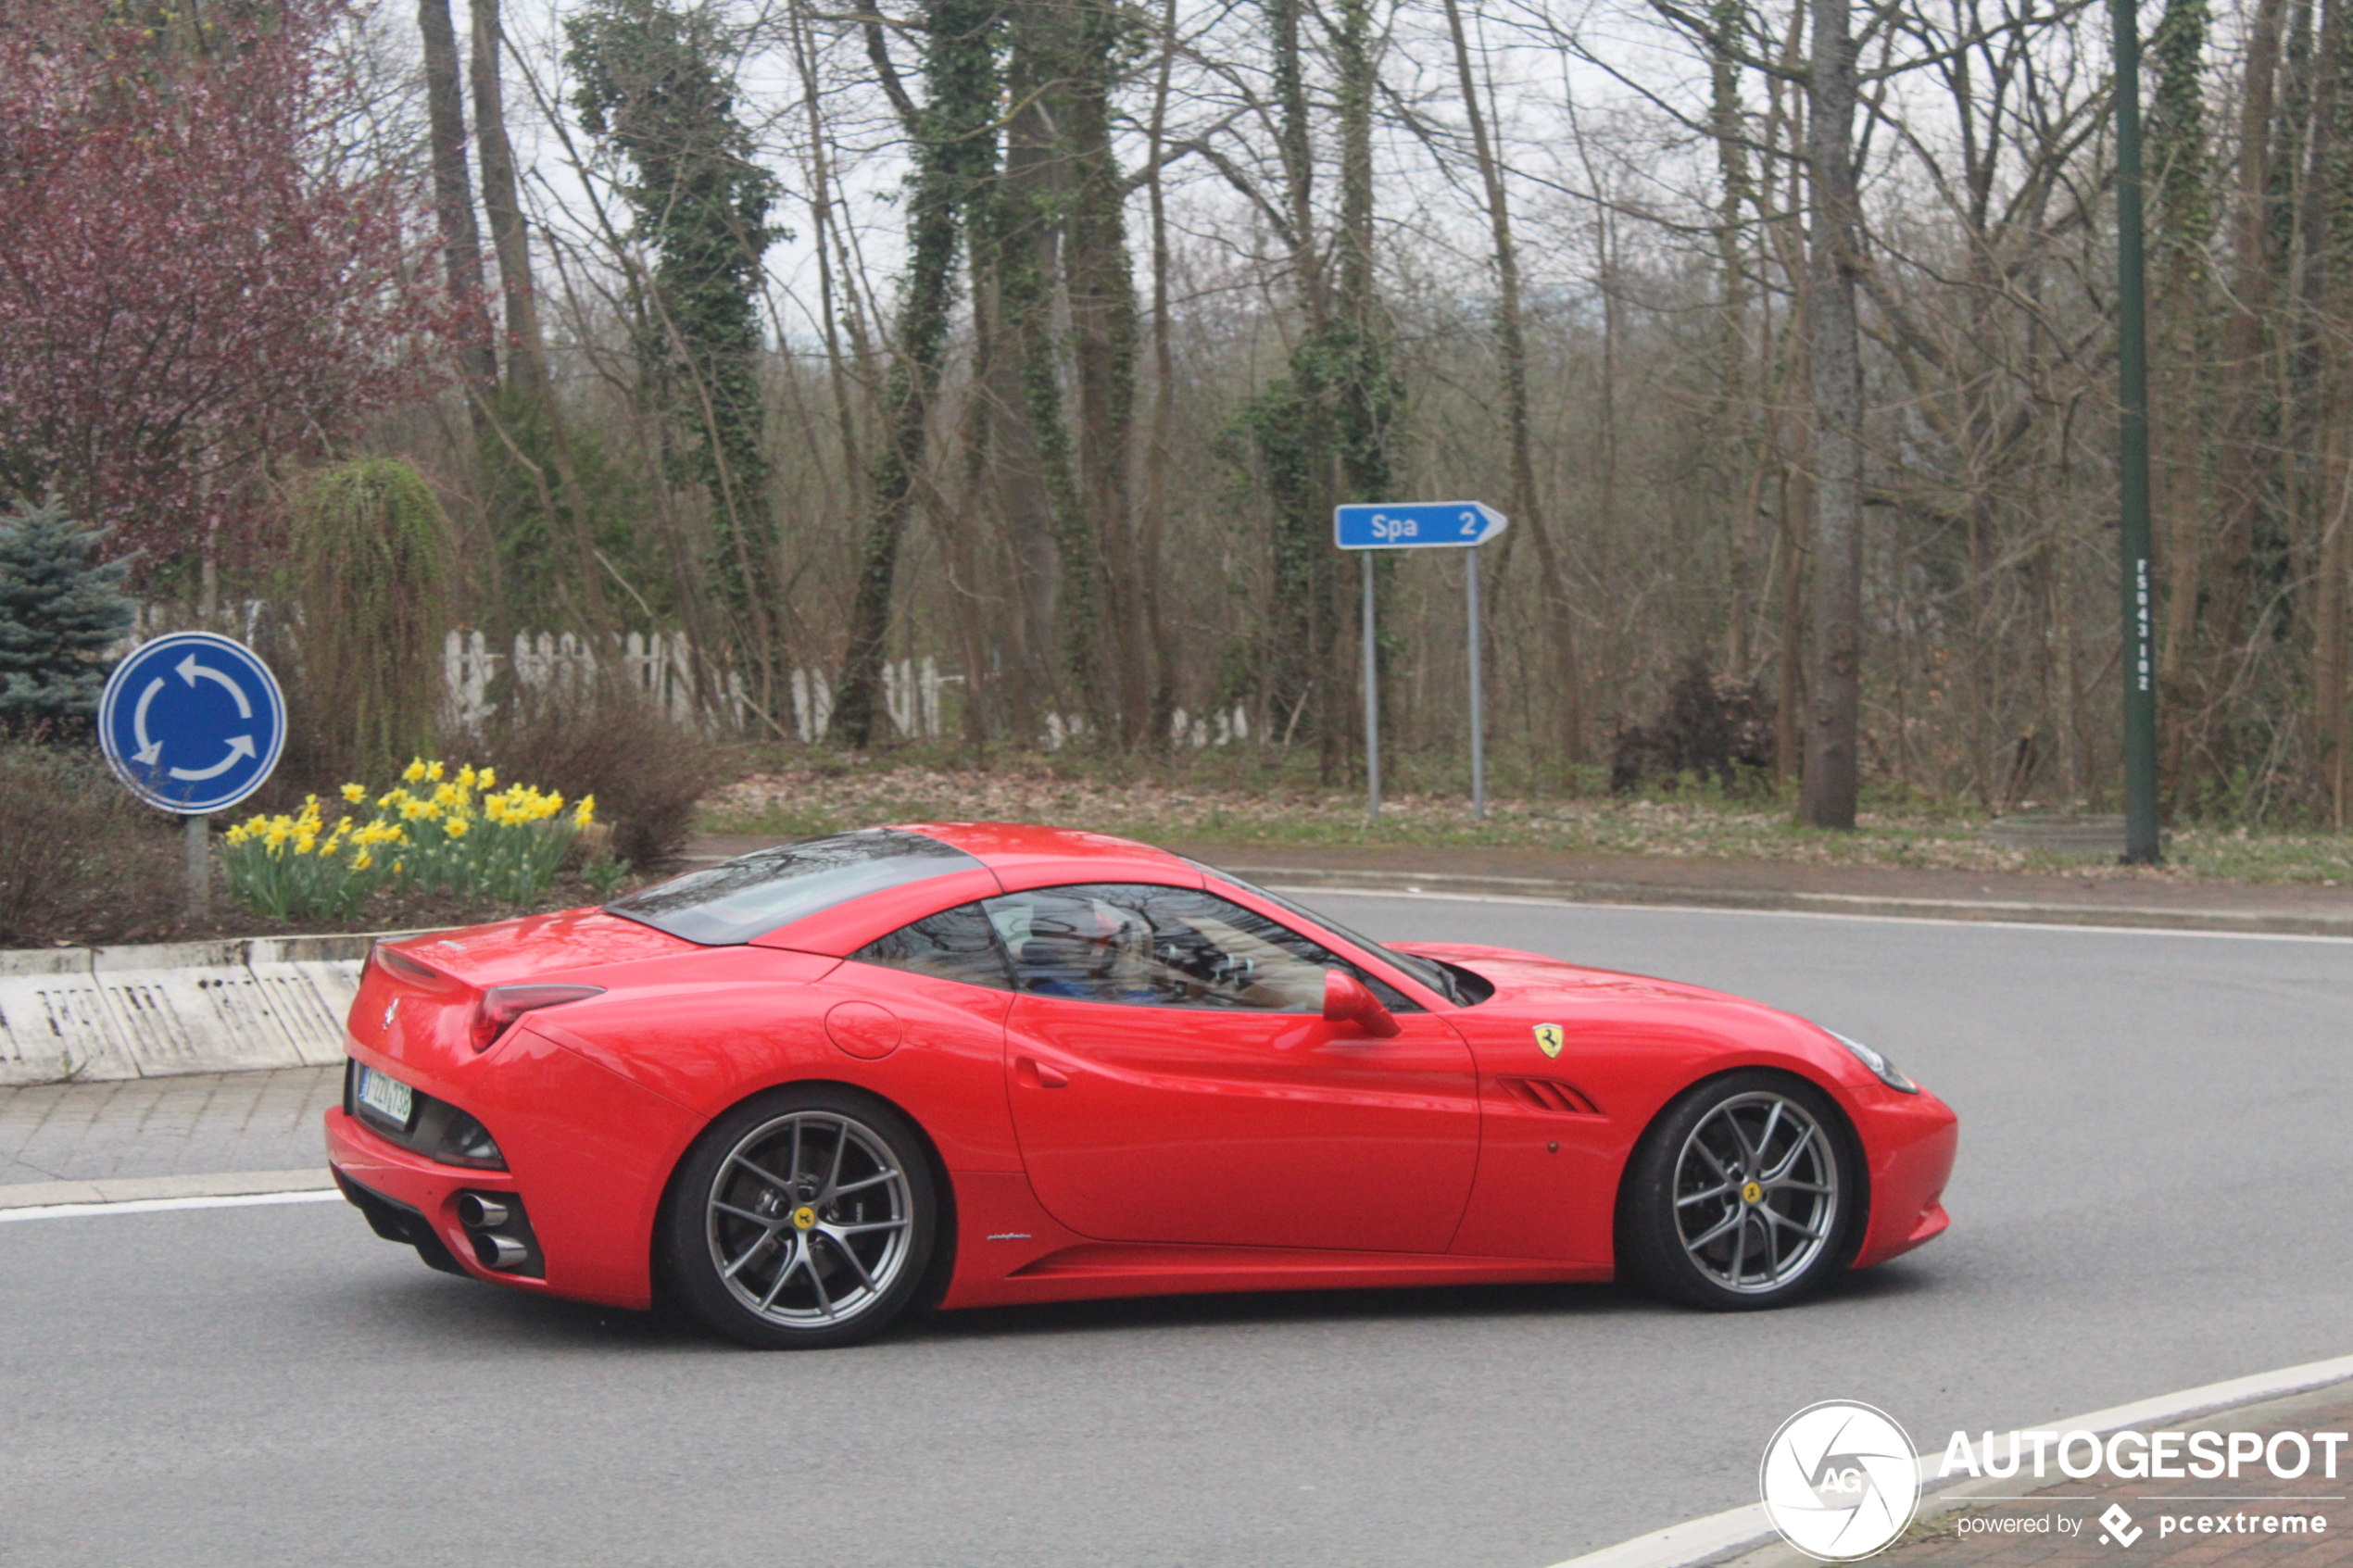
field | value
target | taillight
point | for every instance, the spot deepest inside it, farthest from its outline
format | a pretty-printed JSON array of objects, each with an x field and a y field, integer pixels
[{"x": 501, "y": 1005}]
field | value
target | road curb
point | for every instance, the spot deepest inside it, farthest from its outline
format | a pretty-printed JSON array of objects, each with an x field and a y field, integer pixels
[
  {"x": 1987, "y": 910},
  {"x": 1742, "y": 1536},
  {"x": 92, "y": 1015}
]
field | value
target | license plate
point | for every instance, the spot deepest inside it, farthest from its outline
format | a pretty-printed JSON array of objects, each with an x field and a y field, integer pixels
[{"x": 388, "y": 1098}]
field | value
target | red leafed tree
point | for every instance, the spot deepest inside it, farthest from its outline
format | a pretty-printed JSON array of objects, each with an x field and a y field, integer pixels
[{"x": 194, "y": 288}]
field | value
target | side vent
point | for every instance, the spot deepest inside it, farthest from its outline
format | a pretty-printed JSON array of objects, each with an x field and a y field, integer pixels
[{"x": 1549, "y": 1095}]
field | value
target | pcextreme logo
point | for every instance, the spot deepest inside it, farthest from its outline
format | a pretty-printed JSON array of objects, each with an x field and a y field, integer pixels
[{"x": 1838, "y": 1481}]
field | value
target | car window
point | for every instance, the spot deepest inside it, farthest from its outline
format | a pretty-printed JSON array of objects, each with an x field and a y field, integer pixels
[
  {"x": 957, "y": 944},
  {"x": 753, "y": 894},
  {"x": 1147, "y": 945},
  {"x": 1444, "y": 979}
]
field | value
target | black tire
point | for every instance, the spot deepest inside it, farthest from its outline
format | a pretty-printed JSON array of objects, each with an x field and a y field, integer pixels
[
  {"x": 805, "y": 1218},
  {"x": 1724, "y": 1206}
]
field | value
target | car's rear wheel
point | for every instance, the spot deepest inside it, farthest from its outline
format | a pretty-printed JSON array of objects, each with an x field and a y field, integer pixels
[
  {"x": 1742, "y": 1196},
  {"x": 802, "y": 1219}
]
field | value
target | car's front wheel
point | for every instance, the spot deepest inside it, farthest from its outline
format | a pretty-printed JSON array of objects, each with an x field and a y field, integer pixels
[
  {"x": 802, "y": 1219},
  {"x": 1742, "y": 1196}
]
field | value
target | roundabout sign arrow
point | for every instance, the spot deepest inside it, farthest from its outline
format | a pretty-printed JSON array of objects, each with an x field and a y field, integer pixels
[{"x": 191, "y": 722}]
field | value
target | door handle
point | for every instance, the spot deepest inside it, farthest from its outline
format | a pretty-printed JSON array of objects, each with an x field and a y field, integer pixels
[{"x": 1035, "y": 1074}]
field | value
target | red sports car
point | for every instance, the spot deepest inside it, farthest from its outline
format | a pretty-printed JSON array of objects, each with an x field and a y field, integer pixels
[{"x": 970, "y": 1064}]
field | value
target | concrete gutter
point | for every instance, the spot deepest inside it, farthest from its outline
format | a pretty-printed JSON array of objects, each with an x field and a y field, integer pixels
[
  {"x": 89, "y": 1014},
  {"x": 2264, "y": 922}
]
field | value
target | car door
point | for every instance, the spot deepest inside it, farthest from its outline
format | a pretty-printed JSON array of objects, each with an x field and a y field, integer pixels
[{"x": 1173, "y": 1080}]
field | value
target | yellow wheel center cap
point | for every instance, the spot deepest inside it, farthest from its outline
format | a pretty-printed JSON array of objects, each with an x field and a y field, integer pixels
[
  {"x": 1752, "y": 1193},
  {"x": 804, "y": 1217}
]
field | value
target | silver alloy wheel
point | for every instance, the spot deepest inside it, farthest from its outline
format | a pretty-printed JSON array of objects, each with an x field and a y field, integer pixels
[
  {"x": 1756, "y": 1195},
  {"x": 808, "y": 1219}
]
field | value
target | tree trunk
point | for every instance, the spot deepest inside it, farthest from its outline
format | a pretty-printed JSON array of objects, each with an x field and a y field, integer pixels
[
  {"x": 526, "y": 368},
  {"x": 1512, "y": 347},
  {"x": 955, "y": 156},
  {"x": 2184, "y": 354},
  {"x": 1102, "y": 319},
  {"x": 1292, "y": 432},
  {"x": 1834, "y": 700},
  {"x": 1155, "y": 526},
  {"x": 453, "y": 195},
  {"x": 2245, "y": 461}
]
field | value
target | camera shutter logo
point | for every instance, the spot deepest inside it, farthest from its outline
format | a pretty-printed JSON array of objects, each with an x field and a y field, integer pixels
[{"x": 1838, "y": 1481}]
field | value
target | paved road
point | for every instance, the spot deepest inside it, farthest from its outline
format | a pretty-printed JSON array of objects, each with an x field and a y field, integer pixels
[{"x": 2154, "y": 1179}]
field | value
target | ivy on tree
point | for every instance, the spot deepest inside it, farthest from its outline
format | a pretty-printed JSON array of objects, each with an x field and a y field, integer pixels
[
  {"x": 654, "y": 84},
  {"x": 59, "y": 609}
]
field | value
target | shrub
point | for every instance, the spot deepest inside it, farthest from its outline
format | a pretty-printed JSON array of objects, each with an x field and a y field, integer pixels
[
  {"x": 373, "y": 568},
  {"x": 1711, "y": 727},
  {"x": 646, "y": 773},
  {"x": 79, "y": 858}
]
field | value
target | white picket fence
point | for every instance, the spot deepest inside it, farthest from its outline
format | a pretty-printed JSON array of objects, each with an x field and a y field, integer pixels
[
  {"x": 911, "y": 695},
  {"x": 662, "y": 667}
]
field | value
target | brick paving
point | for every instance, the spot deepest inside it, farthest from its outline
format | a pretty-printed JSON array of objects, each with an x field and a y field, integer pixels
[
  {"x": 206, "y": 1122},
  {"x": 1960, "y": 1539}
]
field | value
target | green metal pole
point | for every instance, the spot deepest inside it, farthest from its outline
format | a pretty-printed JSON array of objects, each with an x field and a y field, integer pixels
[{"x": 2141, "y": 844}]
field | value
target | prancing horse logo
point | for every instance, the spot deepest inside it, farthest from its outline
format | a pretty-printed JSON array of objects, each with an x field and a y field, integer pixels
[{"x": 1549, "y": 1038}]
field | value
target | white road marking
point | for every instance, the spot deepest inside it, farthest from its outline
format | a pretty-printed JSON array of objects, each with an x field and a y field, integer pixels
[{"x": 161, "y": 1205}]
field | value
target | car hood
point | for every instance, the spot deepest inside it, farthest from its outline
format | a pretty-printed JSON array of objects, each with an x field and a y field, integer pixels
[{"x": 1531, "y": 977}]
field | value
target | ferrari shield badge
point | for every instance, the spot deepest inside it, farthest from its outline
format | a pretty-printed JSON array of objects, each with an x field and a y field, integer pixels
[{"x": 1548, "y": 1038}]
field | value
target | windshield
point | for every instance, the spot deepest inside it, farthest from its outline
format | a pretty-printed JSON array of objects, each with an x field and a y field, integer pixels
[
  {"x": 753, "y": 894},
  {"x": 1436, "y": 976}
]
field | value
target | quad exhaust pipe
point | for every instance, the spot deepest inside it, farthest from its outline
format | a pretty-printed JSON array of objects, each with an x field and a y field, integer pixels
[
  {"x": 483, "y": 1214},
  {"x": 495, "y": 1251},
  {"x": 478, "y": 1211}
]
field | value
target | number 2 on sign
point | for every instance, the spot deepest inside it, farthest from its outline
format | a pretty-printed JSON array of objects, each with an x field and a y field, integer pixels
[{"x": 1470, "y": 525}]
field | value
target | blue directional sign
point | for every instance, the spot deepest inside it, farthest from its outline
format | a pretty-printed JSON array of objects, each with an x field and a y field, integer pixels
[
  {"x": 191, "y": 722},
  {"x": 1420, "y": 525}
]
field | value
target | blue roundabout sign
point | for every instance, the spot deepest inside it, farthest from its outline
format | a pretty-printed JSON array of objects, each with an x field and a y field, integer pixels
[{"x": 191, "y": 722}]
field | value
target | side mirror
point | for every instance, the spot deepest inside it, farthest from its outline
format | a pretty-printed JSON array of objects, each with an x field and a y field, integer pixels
[{"x": 1349, "y": 1000}]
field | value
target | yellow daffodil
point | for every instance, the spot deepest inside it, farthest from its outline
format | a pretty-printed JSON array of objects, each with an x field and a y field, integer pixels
[
  {"x": 456, "y": 827},
  {"x": 353, "y": 793},
  {"x": 487, "y": 778},
  {"x": 362, "y": 860},
  {"x": 585, "y": 812},
  {"x": 414, "y": 773},
  {"x": 466, "y": 776},
  {"x": 432, "y": 772}
]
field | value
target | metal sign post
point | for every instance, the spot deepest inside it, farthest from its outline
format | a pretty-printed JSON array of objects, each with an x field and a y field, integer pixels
[
  {"x": 191, "y": 723},
  {"x": 1478, "y": 689},
  {"x": 1448, "y": 525},
  {"x": 2142, "y": 845},
  {"x": 1372, "y": 702}
]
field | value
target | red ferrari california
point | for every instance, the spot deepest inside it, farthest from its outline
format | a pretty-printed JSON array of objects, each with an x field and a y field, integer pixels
[{"x": 971, "y": 1063}]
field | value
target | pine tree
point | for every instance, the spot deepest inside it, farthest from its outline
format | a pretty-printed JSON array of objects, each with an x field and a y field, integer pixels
[{"x": 60, "y": 608}]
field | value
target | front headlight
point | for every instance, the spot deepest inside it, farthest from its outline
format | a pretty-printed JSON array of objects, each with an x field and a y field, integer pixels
[{"x": 1880, "y": 1067}]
